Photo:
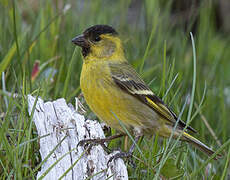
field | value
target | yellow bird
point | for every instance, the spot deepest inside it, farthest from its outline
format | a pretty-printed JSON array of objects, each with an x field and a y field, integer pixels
[{"x": 115, "y": 92}]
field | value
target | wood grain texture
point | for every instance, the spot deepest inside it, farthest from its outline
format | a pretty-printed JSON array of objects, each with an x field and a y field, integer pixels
[{"x": 63, "y": 128}]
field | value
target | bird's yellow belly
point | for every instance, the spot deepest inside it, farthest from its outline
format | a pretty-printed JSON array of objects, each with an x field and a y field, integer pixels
[{"x": 113, "y": 106}]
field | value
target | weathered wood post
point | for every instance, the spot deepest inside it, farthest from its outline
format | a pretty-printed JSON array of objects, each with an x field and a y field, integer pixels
[{"x": 60, "y": 128}]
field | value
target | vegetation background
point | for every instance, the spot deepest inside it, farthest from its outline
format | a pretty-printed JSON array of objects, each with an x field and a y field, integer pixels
[{"x": 36, "y": 56}]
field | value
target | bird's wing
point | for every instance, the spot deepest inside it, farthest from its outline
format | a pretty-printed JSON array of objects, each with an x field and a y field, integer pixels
[{"x": 129, "y": 81}]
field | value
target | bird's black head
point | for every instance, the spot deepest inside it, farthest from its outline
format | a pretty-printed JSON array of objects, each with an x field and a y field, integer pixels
[
  {"x": 97, "y": 30},
  {"x": 92, "y": 34}
]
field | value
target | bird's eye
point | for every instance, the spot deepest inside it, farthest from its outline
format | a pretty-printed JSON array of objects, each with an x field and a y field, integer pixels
[{"x": 97, "y": 38}]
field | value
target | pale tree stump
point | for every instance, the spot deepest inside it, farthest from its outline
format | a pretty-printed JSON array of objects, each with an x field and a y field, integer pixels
[{"x": 60, "y": 128}]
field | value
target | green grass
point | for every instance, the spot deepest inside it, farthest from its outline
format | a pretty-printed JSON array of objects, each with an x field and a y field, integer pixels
[{"x": 181, "y": 72}]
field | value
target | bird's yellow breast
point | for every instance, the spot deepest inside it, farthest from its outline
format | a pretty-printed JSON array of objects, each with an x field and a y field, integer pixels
[
  {"x": 109, "y": 102},
  {"x": 96, "y": 85}
]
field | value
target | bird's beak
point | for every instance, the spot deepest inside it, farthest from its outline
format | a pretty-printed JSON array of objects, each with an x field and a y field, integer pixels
[{"x": 80, "y": 41}]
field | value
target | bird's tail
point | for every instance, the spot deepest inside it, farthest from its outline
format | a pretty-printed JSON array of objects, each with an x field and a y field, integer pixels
[{"x": 199, "y": 145}]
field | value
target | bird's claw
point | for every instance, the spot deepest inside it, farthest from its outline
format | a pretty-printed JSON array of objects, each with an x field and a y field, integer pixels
[
  {"x": 93, "y": 142},
  {"x": 122, "y": 155}
]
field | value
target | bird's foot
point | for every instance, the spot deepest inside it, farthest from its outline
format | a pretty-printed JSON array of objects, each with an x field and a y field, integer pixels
[
  {"x": 126, "y": 155},
  {"x": 89, "y": 143}
]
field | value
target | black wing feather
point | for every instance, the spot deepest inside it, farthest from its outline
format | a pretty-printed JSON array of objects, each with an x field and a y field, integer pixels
[{"x": 130, "y": 82}]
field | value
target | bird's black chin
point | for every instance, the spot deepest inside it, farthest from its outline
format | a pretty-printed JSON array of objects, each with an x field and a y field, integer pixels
[{"x": 85, "y": 51}]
